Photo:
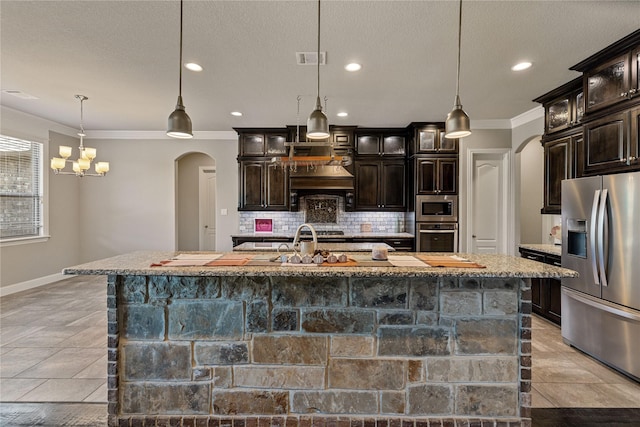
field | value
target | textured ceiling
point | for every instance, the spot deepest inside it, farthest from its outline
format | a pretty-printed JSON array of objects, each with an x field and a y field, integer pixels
[{"x": 123, "y": 55}]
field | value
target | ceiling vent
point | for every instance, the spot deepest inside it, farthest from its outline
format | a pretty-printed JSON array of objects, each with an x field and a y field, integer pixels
[
  {"x": 19, "y": 94},
  {"x": 311, "y": 58}
]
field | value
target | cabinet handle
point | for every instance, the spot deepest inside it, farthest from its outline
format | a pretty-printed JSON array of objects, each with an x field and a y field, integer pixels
[
  {"x": 632, "y": 159},
  {"x": 592, "y": 102},
  {"x": 623, "y": 160},
  {"x": 632, "y": 90},
  {"x": 557, "y": 264},
  {"x": 623, "y": 94}
]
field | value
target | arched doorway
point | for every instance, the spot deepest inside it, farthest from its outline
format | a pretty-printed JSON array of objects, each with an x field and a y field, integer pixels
[{"x": 195, "y": 202}]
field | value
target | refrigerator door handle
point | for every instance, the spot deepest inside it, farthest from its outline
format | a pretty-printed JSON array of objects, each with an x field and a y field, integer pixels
[
  {"x": 592, "y": 237},
  {"x": 600, "y": 237}
]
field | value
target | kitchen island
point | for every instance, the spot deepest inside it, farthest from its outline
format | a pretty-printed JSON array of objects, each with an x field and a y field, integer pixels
[{"x": 258, "y": 345}]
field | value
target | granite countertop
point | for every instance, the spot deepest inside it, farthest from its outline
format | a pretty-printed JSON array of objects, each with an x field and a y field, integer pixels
[
  {"x": 546, "y": 249},
  {"x": 347, "y": 235},
  {"x": 331, "y": 247},
  {"x": 139, "y": 263}
]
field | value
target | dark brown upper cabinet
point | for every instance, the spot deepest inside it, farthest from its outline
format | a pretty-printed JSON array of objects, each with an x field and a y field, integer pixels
[
  {"x": 381, "y": 142},
  {"x": 559, "y": 164},
  {"x": 436, "y": 175},
  {"x": 608, "y": 84},
  {"x": 606, "y": 144},
  {"x": 428, "y": 138},
  {"x": 610, "y": 76},
  {"x": 261, "y": 142},
  {"x": 380, "y": 185},
  {"x": 264, "y": 186},
  {"x": 563, "y": 107}
]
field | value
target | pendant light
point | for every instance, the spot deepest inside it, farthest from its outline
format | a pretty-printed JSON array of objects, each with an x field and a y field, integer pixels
[
  {"x": 179, "y": 121},
  {"x": 457, "y": 124},
  {"x": 318, "y": 123}
]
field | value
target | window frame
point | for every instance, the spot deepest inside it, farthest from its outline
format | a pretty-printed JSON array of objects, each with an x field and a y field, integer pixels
[{"x": 43, "y": 235}]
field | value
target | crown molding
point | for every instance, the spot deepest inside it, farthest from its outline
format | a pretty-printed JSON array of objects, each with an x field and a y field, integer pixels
[
  {"x": 153, "y": 134},
  {"x": 528, "y": 116}
]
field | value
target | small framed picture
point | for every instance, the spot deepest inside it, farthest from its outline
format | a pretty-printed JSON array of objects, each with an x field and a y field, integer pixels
[{"x": 263, "y": 225}]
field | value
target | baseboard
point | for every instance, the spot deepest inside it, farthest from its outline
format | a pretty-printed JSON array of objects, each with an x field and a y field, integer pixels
[{"x": 30, "y": 284}]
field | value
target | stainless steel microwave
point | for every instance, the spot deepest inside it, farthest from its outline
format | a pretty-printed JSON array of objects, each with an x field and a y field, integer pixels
[{"x": 436, "y": 208}]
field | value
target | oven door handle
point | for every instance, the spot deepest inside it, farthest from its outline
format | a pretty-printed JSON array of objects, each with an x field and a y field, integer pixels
[{"x": 436, "y": 231}]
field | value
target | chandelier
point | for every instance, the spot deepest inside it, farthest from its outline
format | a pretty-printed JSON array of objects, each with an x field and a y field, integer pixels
[{"x": 85, "y": 157}]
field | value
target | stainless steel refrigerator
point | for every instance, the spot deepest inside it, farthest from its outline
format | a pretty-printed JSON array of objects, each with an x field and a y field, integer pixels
[{"x": 601, "y": 241}]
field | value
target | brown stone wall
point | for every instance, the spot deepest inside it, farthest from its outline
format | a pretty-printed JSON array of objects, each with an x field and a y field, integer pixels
[{"x": 319, "y": 352}]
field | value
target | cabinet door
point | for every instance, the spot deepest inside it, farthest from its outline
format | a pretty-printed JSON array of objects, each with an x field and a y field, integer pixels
[
  {"x": 276, "y": 188},
  {"x": 368, "y": 144},
  {"x": 557, "y": 166},
  {"x": 426, "y": 140},
  {"x": 393, "y": 145},
  {"x": 252, "y": 184},
  {"x": 634, "y": 90},
  {"x": 427, "y": 175},
  {"x": 252, "y": 144},
  {"x": 447, "y": 176},
  {"x": 634, "y": 138},
  {"x": 342, "y": 137},
  {"x": 558, "y": 115},
  {"x": 367, "y": 185},
  {"x": 447, "y": 145},
  {"x": 275, "y": 144},
  {"x": 392, "y": 187},
  {"x": 605, "y": 144},
  {"x": 608, "y": 84}
]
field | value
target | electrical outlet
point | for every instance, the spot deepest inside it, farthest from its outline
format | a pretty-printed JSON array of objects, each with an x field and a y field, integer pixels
[{"x": 224, "y": 212}]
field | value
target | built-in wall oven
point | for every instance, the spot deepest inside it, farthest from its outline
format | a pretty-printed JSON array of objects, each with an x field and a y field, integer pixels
[
  {"x": 436, "y": 223},
  {"x": 436, "y": 237}
]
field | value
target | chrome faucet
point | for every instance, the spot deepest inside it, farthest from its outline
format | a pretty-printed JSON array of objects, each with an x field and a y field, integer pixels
[{"x": 314, "y": 235}]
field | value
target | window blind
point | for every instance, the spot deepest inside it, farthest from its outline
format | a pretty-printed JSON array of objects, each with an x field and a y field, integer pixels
[{"x": 20, "y": 188}]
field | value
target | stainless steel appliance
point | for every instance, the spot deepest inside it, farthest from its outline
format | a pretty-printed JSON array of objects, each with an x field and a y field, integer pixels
[
  {"x": 436, "y": 208},
  {"x": 437, "y": 237},
  {"x": 601, "y": 241}
]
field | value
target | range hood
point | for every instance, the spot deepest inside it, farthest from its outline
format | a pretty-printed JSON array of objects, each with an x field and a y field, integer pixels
[
  {"x": 318, "y": 169},
  {"x": 321, "y": 178}
]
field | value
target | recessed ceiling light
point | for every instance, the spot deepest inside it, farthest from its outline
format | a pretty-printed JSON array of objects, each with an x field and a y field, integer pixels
[
  {"x": 193, "y": 66},
  {"x": 236, "y": 113},
  {"x": 354, "y": 66},
  {"x": 342, "y": 114},
  {"x": 521, "y": 66}
]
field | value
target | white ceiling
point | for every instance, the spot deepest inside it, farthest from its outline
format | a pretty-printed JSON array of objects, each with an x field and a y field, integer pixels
[{"x": 123, "y": 55}]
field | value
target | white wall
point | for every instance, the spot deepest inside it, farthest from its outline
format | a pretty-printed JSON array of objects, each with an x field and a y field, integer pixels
[
  {"x": 133, "y": 208},
  {"x": 526, "y": 128},
  {"x": 531, "y": 191},
  {"x": 188, "y": 200},
  {"x": 23, "y": 266}
]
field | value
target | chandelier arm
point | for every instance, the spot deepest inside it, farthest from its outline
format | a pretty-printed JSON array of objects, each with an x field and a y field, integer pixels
[
  {"x": 318, "y": 66},
  {"x": 180, "y": 74}
]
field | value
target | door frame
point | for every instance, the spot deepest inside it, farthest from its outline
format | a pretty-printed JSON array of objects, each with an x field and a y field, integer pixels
[
  {"x": 202, "y": 172},
  {"x": 504, "y": 154}
]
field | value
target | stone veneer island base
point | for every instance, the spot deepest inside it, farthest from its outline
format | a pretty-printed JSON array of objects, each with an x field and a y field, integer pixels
[{"x": 319, "y": 346}]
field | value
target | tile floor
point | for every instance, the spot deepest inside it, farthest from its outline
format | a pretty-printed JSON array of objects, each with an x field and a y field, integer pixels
[{"x": 53, "y": 345}]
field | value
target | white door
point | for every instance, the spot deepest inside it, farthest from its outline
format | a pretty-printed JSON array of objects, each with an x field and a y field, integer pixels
[
  {"x": 207, "y": 197},
  {"x": 488, "y": 203}
]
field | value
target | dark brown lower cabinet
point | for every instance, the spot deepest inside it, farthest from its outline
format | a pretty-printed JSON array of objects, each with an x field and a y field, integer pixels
[{"x": 545, "y": 293}]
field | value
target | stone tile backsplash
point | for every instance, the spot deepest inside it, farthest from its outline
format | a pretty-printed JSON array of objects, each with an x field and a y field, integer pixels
[{"x": 349, "y": 222}]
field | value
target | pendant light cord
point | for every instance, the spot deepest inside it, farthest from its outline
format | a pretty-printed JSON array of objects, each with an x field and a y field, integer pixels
[
  {"x": 459, "y": 48},
  {"x": 318, "y": 49},
  {"x": 180, "y": 83}
]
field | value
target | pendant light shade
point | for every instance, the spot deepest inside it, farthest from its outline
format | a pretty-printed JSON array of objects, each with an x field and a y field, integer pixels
[
  {"x": 179, "y": 125},
  {"x": 179, "y": 122},
  {"x": 458, "y": 123},
  {"x": 318, "y": 123}
]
